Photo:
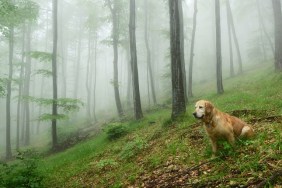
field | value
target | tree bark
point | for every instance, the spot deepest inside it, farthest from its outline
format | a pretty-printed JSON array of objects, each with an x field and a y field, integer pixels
[
  {"x": 88, "y": 79},
  {"x": 19, "y": 103},
  {"x": 27, "y": 86},
  {"x": 182, "y": 49},
  {"x": 235, "y": 37},
  {"x": 232, "y": 73},
  {"x": 133, "y": 52},
  {"x": 95, "y": 78},
  {"x": 54, "y": 72},
  {"x": 9, "y": 91},
  {"x": 149, "y": 62},
  {"x": 218, "y": 49},
  {"x": 264, "y": 28},
  {"x": 190, "y": 88},
  {"x": 76, "y": 86},
  {"x": 278, "y": 34},
  {"x": 115, "y": 36},
  {"x": 178, "y": 94}
]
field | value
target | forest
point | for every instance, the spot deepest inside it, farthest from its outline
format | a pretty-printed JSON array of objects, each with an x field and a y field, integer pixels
[{"x": 112, "y": 84}]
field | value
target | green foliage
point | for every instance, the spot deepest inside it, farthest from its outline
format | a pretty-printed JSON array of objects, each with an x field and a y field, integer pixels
[
  {"x": 106, "y": 164},
  {"x": 13, "y": 14},
  {"x": 44, "y": 72},
  {"x": 48, "y": 117},
  {"x": 2, "y": 87},
  {"x": 116, "y": 131},
  {"x": 132, "y": 148},
  {"x": 44, "y": 57},
  {"x": 23, "y": 172}
]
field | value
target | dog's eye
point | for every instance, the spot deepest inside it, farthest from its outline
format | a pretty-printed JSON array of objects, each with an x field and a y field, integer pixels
[{"x": 200, "y": 107}]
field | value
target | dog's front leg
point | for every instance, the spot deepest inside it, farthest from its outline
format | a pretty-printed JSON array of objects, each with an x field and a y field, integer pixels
[{"x": 214, "y": 146}]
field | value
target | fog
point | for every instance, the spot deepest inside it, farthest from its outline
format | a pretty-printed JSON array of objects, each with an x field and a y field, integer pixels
[{"x": 85, "y": 58}]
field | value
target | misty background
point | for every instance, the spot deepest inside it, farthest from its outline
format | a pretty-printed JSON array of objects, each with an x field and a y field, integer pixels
[{"x": 85, "y": 57}]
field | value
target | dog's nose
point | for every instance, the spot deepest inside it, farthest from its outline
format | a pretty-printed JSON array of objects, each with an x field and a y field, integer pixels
[{"x": 194, "y": 114}]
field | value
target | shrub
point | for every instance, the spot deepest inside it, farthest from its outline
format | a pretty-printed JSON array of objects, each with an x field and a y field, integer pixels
[
  {"x": 133, "y": 148},
  {"x": 23, "y": 172},
  {"x": 116, "y": 131}
]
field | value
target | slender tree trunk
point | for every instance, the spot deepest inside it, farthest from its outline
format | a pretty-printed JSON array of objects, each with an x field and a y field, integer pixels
[
  {"x": 264, "y": 28},
  {"x": 129, "y": 79},
  {"x": 134, "y": 66},
  {"x": 19, "y": 103},
  {"x": 27, "y": 86},
  {"x": 54, "y": 72},
  {"x": 232, "y": 73},
  {"x": 182, "y": 49},
  {"x": 76, "y": 88},
  {"x": 64, "y": 67},
  {"x": 278, "y": 34},
  {"x": 218, "y": 49},
  {"x": 95, "y": 78},
  {"x": 178, "y": 93},
  {"x": 149, "y": 62},
  {"x": 87, "y": 78},
  {"x": 8, "y": 99},
  {"x": 190, "y": 92},
  {"x": 235, "y": 37}
]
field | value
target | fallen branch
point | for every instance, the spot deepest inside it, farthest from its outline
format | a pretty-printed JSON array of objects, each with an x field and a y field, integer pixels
[{"x": 271, "y": 180}]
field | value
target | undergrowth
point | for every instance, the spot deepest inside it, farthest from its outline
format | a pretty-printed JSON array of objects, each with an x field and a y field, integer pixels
[{"x": 156, "y": 151}]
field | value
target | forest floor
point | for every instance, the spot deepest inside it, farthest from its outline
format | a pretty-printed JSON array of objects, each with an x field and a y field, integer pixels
[{"x": 159, "y": 153}]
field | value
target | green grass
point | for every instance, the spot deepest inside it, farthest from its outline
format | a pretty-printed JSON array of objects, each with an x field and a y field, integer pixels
[{"x": 155, "y": 146}]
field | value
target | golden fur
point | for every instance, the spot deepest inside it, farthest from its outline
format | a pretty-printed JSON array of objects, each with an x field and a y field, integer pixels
[{"x": 221, "y": 125}]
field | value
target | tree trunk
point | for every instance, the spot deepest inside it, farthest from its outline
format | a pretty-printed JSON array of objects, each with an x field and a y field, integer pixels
[
  {"x": 178, "y": 94},
  {"x": 235, "y": 37},
  {"x": 115, "y": 36},
  {"x": 54, "y": 72},
  {"x": 129, "y": 79},
  {"x": 8, "y": 99},
  {"x": 190, "y": 90},
  {"x": 149, "y": 62},
  {"x": 27, "y": 86},
  {"x": 133, "y": 52},
  {"x": 182, "y": 49},
  {"x": 63, "y": 55},
  {"x": 95, "y": 78},
  {"x": 88, "y": 80},
  {"x": 76, "y": 86},
  {"x": 264, "y": 28},
  {"x": 19, "y": 103},
  {"x": 278, "y": 34},
  {"x": 218, "y": 49},
  {"x": 232, "y": 73}
]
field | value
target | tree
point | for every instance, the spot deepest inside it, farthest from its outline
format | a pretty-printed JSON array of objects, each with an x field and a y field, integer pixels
[
  {"x": 231, "y": 22},
  {"x": 54, "y": 74},
  {"x": 232, "y": 73},
  {"x": 182, "y": 49},
  {"x": 218, "y": 49},
  {"x": 178, "y": 94},
  {"x": 190, "y": 92},
  {"x": 115, "y": 10},
  {"x": 149, "y": 62},
  {"x": 278, "y": 34},
  {"x": 134, "y": 67}
]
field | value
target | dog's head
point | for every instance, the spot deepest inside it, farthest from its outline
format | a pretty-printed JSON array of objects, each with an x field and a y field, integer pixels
[{"x": 203, "y": 109}]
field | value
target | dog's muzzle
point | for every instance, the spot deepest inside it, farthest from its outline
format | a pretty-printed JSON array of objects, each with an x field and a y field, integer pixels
[{"x": 195, "y": 115}]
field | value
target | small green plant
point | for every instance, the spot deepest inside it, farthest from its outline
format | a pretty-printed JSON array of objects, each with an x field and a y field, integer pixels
[
  {"x": 133, "y": 148},
  {"x": 116, "y": 131},
  {"x": 23, "y": 172},
  {"x": 106, "y": 164}
]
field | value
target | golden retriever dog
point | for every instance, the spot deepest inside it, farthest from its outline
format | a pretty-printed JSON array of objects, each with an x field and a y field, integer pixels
[{"x": 220, "y": 125}]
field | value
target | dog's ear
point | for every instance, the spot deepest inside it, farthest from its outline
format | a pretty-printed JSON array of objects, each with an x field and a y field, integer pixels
[{"x": 208, "y": 107}]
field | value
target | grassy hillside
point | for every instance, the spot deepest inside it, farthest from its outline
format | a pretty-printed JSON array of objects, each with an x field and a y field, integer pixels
[{"x": 157, "y": 152}]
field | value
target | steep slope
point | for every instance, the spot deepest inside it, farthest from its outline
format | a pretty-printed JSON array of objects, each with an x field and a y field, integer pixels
[{"x": 159, "y": 153}]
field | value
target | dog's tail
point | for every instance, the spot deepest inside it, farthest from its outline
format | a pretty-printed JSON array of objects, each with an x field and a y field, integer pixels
[{"x": 247, "y": 131}]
